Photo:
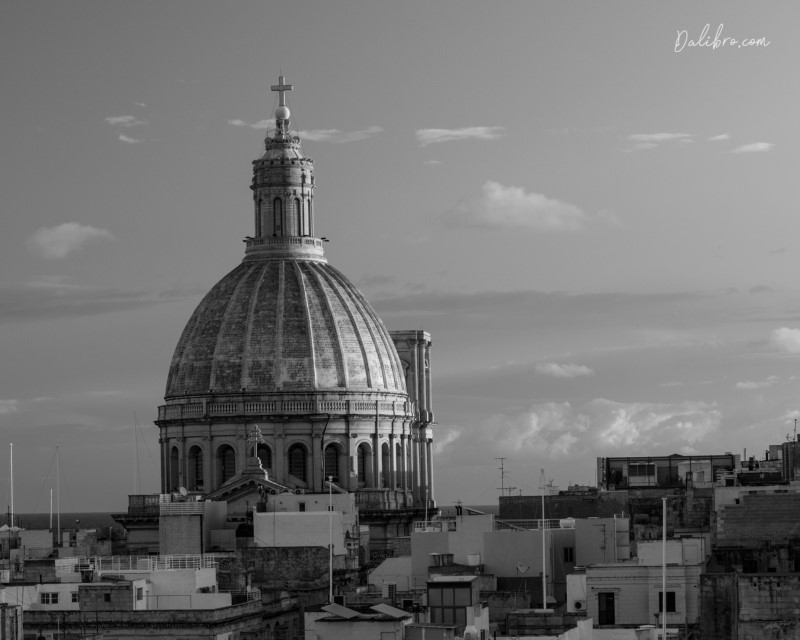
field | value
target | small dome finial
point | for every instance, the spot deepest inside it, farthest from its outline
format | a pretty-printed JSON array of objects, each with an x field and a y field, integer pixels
[{"x": 282, "y": 112}]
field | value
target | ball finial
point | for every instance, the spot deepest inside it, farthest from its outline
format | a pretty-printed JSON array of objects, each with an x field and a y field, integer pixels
[{"x": 282, "y": 113}]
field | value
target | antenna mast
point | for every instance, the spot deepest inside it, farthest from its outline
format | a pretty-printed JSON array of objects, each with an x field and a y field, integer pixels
[{"x": 502, "y": 475}]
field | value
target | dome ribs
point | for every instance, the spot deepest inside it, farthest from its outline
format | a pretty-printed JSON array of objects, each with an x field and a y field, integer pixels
[
  {"x": 353, "y": 348},
  {"x": 329, "y": 363},
  {"x": 259, "y": 342},
  {"x": 295, "y": 368},
  {"x": 364, "y": 320},
  {"x": 200, "y": 338},
  {"x": 226, "y": 368}
]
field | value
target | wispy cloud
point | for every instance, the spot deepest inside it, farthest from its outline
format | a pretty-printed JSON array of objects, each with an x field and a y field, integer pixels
[
  {"x": 433, "y": 136},
  {"x": 500, "y": 206},
  {"x": 657, "y": 138},
  {"x": 755, "y": 147},
  {"x": 124, "y": 121},
  {"x": 566, "y": 370},
  {"x": 335, "y": 135},
  {"x": 54, "y": 298},
  {"x": 123, "y": 138},
  {"x": 63, "y": 239},
  {"x": 720, "y": 137},
  {"x": 261, "y": 124},
  {"x": 315, "y": 135},
  {"x": 645, "y": 141},
  {"x": 786, "y": 339},
  {"x": 750, "y": 385},
  {"x": 433, "y": 162},
  {"x": 8, "y": 406}
]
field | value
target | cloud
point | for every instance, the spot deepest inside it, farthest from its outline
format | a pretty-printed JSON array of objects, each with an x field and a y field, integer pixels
[
  {"x": 55, "y": 298},
  {"x": 124, "y": 121},
  {"x": 261, "y": 124},
  {"x": 59, "y": 241},
  {"x": 561, "y": 431},
  {"x": 123, "y": 138},
  {"x": 8, "y": 407},
  {"x": 315, "y": 135},
  {"x": 433, "y": 162},
  {"x": 335, "y": 135},
  {"x": 750, "y": 385},
  {"x": 566, "y": 370},
  {"x": 720, "y": 137},
  {"x": 433, "y": 136},
  {"x": 755, "y": 147},
  {"x": 645, "y": 141},
  {"x": 786, "y": 339},
  {"x": 655, "y": 138},
  {"x": 512, "y": 207}
]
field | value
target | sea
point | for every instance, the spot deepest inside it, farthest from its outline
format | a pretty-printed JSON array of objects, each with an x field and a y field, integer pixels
[
  {"x": 81, "y": 520},
  {"x": 101, "y": 519}
]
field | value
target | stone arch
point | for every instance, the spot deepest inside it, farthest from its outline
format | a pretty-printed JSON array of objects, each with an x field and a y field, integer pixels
[
  {"x": 226, "y": 463},
  {"x": 297, "y": 461},
  {"x": 195, "y": 471},
  {"x": 174, "y": 469}
]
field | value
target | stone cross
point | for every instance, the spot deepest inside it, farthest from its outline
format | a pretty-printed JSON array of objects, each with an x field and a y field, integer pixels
[{"x": 282, "y": 88}]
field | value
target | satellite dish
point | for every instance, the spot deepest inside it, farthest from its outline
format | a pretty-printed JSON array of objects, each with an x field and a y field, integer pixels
[
  {"x": 522, "y": 568},
  {"x": 183, "y": 491}
]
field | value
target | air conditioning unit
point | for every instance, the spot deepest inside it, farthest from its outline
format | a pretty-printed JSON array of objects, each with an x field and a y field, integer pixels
[
  {"x": 273, "y": 492},
  {"x": 352, "y": 544},
  {"x": 579, "y": 605},
  {"x": 299, "y": 491}
]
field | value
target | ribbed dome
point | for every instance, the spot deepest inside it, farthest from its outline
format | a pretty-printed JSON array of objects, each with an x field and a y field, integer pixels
[{"x": 284, "y": 326}]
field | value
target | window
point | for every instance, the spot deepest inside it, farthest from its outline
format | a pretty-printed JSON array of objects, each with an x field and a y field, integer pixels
[
  {"x": 569, "y": 554},
  {"x": 227, "y": 462},
  {"x": 332, "y": 462},
  {"x": 265, "y": 456},
  {"x": 49, "y": 597},
  {"x": 298, "y": 216},
  {"x": 605, "y": 608},
  {"x": 448, "y": 605},
  {"x": 301, "y": 506},
  {"x": 670, "y": 602},
  {"x": 106, "y": 597},
  {"x": 140, "y": 593},
  {"x": 196, "y": 468},
  {"x": 297, "y": 461},
  {"x": 76, "y": 597},
  {"x": 277, "y": 216}
]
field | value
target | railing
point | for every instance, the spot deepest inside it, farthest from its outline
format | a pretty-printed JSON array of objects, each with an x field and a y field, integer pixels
[
  {"x": 251, "y": 407},
  {"x": 135, "y": 563},
  {"x": 283, "y": 240},
  {"x": 182, "y": 508}
]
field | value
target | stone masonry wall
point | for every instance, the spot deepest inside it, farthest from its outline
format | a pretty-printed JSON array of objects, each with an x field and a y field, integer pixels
[{"x": 752, "y": 606}]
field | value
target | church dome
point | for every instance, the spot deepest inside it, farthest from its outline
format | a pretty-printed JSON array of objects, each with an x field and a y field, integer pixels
[{"x": 284, "y": 325}]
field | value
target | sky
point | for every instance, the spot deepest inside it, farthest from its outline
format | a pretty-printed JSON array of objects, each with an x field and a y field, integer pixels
[{"x": 590, "y": 207}]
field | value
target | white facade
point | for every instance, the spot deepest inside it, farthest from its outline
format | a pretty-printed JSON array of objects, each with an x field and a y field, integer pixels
[{"x": 308, "y": 529}]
